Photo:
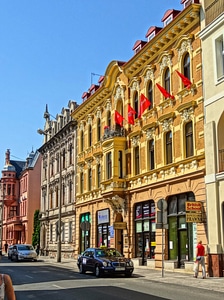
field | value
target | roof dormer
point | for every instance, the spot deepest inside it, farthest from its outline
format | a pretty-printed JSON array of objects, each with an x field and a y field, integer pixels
[
  {"x": 169, "y": 15},
  {"x": 152, "y": 32},
  {"x": 138, "y": 46},
  {"x": 189, "y": 2},
  {"x": 85, "y": 96},
  {"x": 93, "y": 88}
]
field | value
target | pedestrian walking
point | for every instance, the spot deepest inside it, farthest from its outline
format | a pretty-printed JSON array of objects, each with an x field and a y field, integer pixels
[
  {"x": 200, "y": 260},
  {"x": 6, "y": 288}
]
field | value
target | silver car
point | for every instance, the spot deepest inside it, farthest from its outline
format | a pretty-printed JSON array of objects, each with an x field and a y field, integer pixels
[{"x": 22, "y": 252}]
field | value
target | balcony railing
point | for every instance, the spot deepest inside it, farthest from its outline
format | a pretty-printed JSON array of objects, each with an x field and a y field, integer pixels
[
  {"x": 113, "y": 132},
  {"x": 221, "y": 160}
]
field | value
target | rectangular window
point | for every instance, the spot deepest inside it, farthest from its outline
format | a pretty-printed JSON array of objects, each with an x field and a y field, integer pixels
[
  {"x": 90, "y": 180},
  {"x": 108, "y": 165},
  {"x": 169, "y": 155},
  {"x": 189, "y": 139},
  {"x": 70, "y": 232},
  {"x": 137, "y": 161},
  {"x": 81, "y": 183},
  {"x": 151, "y": 159},
  {"x": 219, "y": 49},
  {"x": 120, "y": 164},
  {"x": 98, "y": 175}
]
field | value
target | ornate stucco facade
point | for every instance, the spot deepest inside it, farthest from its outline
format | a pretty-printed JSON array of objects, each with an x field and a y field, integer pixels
[
  {"x": 212, "y": 36},
  {"x": 57, "y": 183},
  {"x": 124, "y": 169}
]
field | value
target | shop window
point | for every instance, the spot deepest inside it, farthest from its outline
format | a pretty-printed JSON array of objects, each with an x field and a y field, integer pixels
[
  {"x": 103, "y": 232},
  {"x": 145, "y": 230},
  {"x": 84, "y": 231}
]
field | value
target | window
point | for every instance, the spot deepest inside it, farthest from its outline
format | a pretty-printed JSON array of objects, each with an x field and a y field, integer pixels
[
  {"x": 109, "y": 119},
  {"x": 219, "y": 49},
  {"x": 90, "y": 179},
  {"x": 169, "y": 158},
  {"x": 56, "y": 192},
  {"x": 151, "y": 155},
  {"x": 120, "y": 165},
  {"x": 70, "y": 192},
  {"x": 98, "y": 129},
  {"x": 70, "y": 232},
  {"x": 70, "y": 154},
  {"x": 145, "y": 230},
  {"x": 136, "y": 160},
  {"x": 108, "y": 165},
  {"x": 51, "y": 199},
  {"x": 189, "y": 139},
  {"x": 186, "y": 65},
  {"x": 63, "y": 194},
  {"x": 98, "y": 175},
  {"x": 51, "y": 232},
  {"x": 90, "y": 135},
  {"x": 136, "y": 103},
  {"x": 167, "y": 80},
  {"x": 63, "y": 159},
  {"x": 81, "y": 183},
  {"x": 150, "y": 94},
  {"x": 82, "y": 141}
]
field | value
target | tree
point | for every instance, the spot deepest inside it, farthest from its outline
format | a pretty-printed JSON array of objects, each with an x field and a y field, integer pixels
[{"x": 36, "y": 229}]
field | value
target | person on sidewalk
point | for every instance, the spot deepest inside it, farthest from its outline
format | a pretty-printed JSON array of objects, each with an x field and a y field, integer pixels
[
  {"x": 200, "y": 260},
  {"x": 6, "y": 287}
]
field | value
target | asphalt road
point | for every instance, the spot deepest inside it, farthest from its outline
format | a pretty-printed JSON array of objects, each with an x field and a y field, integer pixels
[{"x": 38, "y": 280}]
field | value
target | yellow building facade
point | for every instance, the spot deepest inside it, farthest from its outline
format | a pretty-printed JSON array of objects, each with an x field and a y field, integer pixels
[{"x": 128, "y": 164}]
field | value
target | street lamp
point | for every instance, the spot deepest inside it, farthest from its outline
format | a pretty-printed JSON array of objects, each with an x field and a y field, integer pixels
[{"x": 40, "y": 131}]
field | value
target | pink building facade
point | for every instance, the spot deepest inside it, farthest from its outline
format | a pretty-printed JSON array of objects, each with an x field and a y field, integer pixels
[{"x": 20, "y": 198}]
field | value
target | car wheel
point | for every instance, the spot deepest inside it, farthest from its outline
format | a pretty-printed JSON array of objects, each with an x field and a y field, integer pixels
[
  {"x": 81, "y": 269},
  {"x": 97, "y": 271}
]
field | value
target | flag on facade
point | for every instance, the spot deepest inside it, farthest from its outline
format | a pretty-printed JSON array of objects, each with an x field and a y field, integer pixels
[
  {"x": 144, "y": 103},
  {"x": 131, "y": 115},
  {"x": 118, "y": 118},
  {"x": 164, "y": 92},
  {"x": 185, "y": 80}
]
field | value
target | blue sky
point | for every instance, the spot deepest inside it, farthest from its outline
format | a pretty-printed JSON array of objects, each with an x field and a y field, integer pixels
[{"x": 48, "y": 50}]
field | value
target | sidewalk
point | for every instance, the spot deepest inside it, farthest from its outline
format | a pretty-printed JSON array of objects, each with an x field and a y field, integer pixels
[{"x": 176, "y": 277}]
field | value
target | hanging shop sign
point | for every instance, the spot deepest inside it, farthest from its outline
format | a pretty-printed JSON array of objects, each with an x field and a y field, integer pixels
[
  {"x": 193, "y": 212},
  {"x": 120, "y": 225}
]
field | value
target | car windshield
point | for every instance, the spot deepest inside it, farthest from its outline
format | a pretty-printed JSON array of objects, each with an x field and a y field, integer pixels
[
  {"x": 25, "y": 247},
  {"x": 108, "y": 252}
]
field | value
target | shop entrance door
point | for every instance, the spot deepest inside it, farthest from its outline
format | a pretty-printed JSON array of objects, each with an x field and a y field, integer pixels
[{"x": 182, "y": 247}]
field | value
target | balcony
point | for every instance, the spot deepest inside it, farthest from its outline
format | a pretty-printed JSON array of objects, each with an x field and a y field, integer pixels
[{"x": 115, "y": 131}]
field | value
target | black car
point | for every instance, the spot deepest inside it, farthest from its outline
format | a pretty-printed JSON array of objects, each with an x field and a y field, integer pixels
[{"x": 104, "y": 261}]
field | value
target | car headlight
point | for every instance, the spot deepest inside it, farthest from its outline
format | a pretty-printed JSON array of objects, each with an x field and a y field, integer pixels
[
  {"x": 130, "y": 263},
  {"x": 104, "y": 264}
]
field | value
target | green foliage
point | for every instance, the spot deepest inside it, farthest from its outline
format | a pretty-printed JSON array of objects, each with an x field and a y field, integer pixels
[{"x": 36, "y": 229}]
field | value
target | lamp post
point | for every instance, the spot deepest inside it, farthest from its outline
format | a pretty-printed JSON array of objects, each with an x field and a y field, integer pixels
[{"x": 40, "y": 131}]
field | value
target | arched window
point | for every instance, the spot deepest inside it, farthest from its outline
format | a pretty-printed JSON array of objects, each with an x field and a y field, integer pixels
[
  {"x": 189, "y": 139},
  {"x": 169, "y": 141},
  {"x": 186, "y": 65},
  {"x": 136, "y": 103},
  {"x": 150, "y": 94},
  {"x": 167, "y": 80}
]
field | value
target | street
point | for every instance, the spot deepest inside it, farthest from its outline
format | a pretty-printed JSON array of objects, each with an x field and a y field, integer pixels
[{"x": 39, "y": 280}]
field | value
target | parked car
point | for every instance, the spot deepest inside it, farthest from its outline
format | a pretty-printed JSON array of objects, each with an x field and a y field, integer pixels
[
  {"x": 104, "y": 261},
  {"x": 23, "y": 252},
  {"x": 10, "y": 251}
]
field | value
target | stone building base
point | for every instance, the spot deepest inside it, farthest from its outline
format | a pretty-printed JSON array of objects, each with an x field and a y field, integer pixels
[{"x": 216, "y": 265}]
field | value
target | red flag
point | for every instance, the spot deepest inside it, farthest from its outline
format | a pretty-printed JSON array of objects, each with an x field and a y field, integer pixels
[
  {"x": 131, "y": 114},
  {"x": 144, "y": 103},
  {"x": 118, "y": 118},
  {"x": 164, "y": 92},
  {"x": 185, "y": 80}
]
